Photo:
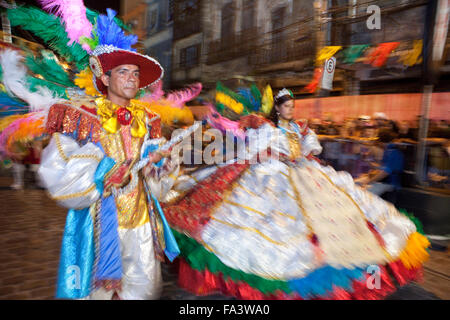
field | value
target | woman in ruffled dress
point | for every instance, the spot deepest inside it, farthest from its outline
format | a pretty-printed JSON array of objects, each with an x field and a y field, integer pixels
[{"x": 287, "y": 227}]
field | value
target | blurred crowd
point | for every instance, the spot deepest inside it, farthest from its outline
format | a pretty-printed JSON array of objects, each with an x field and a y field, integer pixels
[
  {"x": 368, "y": 127},
  {"x": 354, "y": 145}
]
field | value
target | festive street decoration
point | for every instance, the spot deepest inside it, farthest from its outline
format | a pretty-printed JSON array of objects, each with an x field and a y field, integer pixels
[
  {"x": 378, "y": 56},
  {"x": 352, "y": 53},
  {"x": 414, "y": 56},
  {"x": 326, "y": 53},
  {"x": 312, "y": 86}
]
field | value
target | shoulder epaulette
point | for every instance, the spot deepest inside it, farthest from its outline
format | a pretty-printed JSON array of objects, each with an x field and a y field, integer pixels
[{"x": 75, "y": 119}]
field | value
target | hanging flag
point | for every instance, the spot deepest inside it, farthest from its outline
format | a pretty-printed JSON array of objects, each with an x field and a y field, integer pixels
[
  {"x": 312, "y": 86},
  {"x": 326, "y": 53},
  {"x": 378, "y": 56},
  {"x": 413, "y": 56},
  {"x": 354, "y": 52}
]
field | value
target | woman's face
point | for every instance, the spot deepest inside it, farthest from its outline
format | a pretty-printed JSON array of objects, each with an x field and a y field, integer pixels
[{"x": 286, "y": 110}]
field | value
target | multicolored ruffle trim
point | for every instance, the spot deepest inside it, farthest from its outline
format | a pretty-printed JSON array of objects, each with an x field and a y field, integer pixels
[{"x": 202, "y": 273}]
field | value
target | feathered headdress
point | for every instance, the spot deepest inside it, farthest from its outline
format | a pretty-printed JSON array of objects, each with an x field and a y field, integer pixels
[
  {"x": 85, "y": 38},
  {"x": 233, "y": 109}
]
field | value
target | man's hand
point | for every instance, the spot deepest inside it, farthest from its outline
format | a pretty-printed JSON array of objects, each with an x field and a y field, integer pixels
[{"x": 157, "y": 156}]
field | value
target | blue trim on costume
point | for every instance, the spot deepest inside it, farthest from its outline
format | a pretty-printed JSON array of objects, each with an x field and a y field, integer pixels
[
  {"x": 171, "y": 250},
  {"x": 109, "y": 265},
  {"x": 77, "y": 256},
  {"x": 321, "y": 281},
  {"x": 102, "y": 169}
]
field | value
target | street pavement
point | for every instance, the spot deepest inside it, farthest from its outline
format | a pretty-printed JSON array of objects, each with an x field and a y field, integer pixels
[{"x": 31, "y": 228}]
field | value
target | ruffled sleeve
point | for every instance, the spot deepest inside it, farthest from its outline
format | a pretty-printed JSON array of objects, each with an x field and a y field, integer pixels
[
  {"x": 68, "y": 171},
  {"x": 311, "y": 145}
]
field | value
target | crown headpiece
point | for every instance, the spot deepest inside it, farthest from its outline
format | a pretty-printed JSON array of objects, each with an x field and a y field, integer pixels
[{"x": 284, "y": 92}]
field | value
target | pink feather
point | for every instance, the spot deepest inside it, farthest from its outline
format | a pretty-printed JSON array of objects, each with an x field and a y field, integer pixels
[
  {"x": 180, "y": 97},
  {"x": 73, "y": 14},
  {"x": 223, "y": 124},
  {"x": 156, "y": 92},
  {"x": 13, "y": 127}
]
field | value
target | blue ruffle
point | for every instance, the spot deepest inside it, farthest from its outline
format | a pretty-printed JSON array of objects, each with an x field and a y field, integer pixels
[
  {"x": 77, "y": 256},
  {"x": 321, "y": 281},
  {"x": 171, "y": 250},
  {"x": 109, "y": 265}
]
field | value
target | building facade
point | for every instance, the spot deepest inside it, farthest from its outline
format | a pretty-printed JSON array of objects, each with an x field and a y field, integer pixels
[
  {"x": 276, "y": 41},
  {"x": 152, "y": 21}
]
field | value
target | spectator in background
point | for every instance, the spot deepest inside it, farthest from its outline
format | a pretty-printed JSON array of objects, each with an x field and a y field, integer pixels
[
  {"x": 316, "y": 125},
  {"x": 414, "y": 129},
  {"x": 403, "y": 130},
  {"x": 360, "y": 123},
  {"x": 388, "y": 176},
  {"x": 380, "y": 119},
  {"x": 348, "y": 129}
]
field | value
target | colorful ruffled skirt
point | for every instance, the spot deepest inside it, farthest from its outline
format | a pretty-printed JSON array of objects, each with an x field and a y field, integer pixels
[{"x": 277, "y": 230}]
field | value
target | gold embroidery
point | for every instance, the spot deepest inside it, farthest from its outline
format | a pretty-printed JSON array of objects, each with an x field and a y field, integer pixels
[
  {"x": 249, "y": 229},
  {"x": 59, "y": 147},
  {"x": 244, "y": 207},
  {"x": 132, "y": 208},
  {"x": 286, "y": 215},
  {"x": 246, "y": 190},
  {"x": 388, "y": 256},
  {"x": 299, "y": 201},
  {"x": 86, "y": 156},
  {"x": 294, "y": 145},
  {"x": 77, "y": 194}
]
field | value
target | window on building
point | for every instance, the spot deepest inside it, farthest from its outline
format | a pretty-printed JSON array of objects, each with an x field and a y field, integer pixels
[
  {"x": 152, "y": 16},
  {"x": 227, "y": 26},
  {"x": 278, "y": 17},
  {"x": 248, "y": 15},
  {"x": 170, "y": 11},
  {"x": 190, "y": 56}
]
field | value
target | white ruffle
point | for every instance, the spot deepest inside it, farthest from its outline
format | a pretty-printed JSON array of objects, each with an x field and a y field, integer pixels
[{"x": 67, "y": 171}]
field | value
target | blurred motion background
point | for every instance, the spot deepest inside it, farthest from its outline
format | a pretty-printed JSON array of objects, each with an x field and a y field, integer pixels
[{"x": 392, "y": 71}]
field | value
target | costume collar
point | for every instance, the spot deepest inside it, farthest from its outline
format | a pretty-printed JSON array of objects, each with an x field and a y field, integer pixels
[{"x": 112, "y": 116}]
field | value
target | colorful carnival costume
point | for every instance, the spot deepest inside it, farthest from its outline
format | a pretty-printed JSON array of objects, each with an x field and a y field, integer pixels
[
  {"x": 286, "y": 227},
  {"x": 97, "y": 162}
]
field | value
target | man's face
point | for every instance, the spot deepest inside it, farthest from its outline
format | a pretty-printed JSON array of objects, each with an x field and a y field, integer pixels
[{"x": 123, "y": 83}]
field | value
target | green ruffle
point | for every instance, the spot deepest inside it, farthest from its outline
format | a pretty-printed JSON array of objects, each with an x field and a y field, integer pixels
[
  {"x": 200, "y": 259},
  {"x": 416, "y": 221}
]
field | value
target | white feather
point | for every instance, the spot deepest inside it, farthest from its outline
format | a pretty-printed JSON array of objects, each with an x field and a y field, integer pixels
[{"x": 15, "y": 81}]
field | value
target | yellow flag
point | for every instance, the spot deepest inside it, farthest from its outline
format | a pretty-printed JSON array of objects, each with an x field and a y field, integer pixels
[
  {"x": 413, "y": 56},
  {"x": 326, "y": 53},
  {"x": 267, "y": 100}
]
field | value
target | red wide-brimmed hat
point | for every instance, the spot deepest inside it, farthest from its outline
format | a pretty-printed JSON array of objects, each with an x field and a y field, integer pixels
[{"x": 107, "y": 57}]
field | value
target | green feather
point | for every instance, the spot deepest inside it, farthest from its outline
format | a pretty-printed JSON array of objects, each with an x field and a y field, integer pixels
[
  {"x": 416, "y": 221},
  {"x": 51, "y": 30},
  {"x": 33, "y": 83},
  {"x": 49, "y": 69},
  {"x": 247, "y": 105}
]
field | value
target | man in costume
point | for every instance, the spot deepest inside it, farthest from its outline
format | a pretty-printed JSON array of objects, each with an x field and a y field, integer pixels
[
  {"x": 104, "y": 160},
  {"x": 126, "y": 245}
]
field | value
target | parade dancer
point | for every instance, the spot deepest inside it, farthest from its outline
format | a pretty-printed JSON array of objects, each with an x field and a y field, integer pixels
[
  {"x": 276, "y": 224},
  {"x": 106, "y": 160}
]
